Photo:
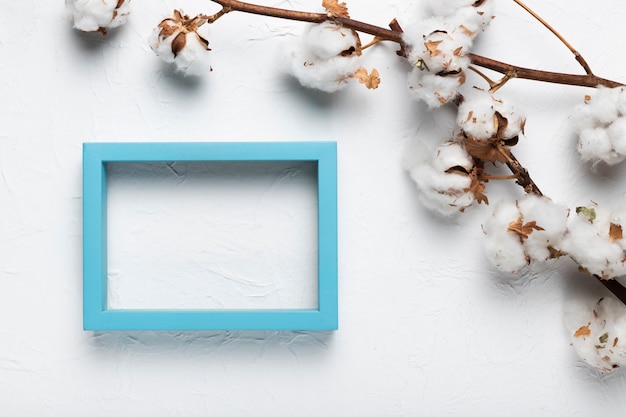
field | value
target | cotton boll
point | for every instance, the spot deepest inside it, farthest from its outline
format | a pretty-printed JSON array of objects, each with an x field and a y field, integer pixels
[
  {"x": 176, "y": 41},
  {"x": 432, "y": 89},
  {"x": 594, "y": 145},
  {"x": 328, "y": 40},
  {"x": 477, "y": 116},
  {"x": 551, "y": 218},
  {"x": 589, "y": 243},
  {"x": 441, "y": 189},
  {"x": 503, "y": 248},
  {"x": 617, "y": 135},
  {"x": 98, "y": 15},
  {"x": 597, "y": 328},
  {"x": 600, "y": 123},
  {"x": 327, "y": 57},
  {"x": 326, "y": 75}
]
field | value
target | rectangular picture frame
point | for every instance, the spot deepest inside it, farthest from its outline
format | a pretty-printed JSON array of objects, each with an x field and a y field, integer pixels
[{"x": 96, "y": 315}]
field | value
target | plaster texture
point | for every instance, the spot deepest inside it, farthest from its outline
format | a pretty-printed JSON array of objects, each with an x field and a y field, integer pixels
[{"x": 426, "y": 327}]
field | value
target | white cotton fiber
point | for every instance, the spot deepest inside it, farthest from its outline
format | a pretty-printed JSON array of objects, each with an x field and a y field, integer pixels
[
  {"x": 502, "y": 248},
  {"x": 98, "y": 15},
  {"x": 432, "y": 89},
  {"x": 597, "y": 328},
  {"x": 543, "y": 225},
  {"x": 550, "y": 217},
  {"x": 441, "y": 189},
  {"x": 193, "y": 59},
  {"x": 589, "y": 243},
  {"x": 477, "y": 116},
  {"x": 600, "y": 124},
  {"x": 326, "y": 59}
]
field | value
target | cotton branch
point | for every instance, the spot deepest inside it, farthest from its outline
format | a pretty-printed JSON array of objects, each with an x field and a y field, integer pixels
[{"x": 395, "y": 35}]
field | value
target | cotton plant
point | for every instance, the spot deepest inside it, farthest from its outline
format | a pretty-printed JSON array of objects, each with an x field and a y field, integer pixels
[{"x": 453, "y": 170}]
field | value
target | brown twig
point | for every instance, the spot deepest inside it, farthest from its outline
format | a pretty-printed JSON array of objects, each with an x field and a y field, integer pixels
[
  {"x": 395, "y": 35},
  {"x": 588, "y": 80}
]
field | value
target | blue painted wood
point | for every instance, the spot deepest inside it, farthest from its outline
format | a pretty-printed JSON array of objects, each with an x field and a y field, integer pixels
[{"x": 96, "y": 316}]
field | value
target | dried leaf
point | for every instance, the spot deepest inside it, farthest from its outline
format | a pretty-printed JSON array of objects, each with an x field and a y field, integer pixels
[
  {"x": 477, "y": 186},
  {"x": 583, "y": 331},
  {"x": 615, "y": 232},
  {"x": 604, "y": 338},
  {"x": 522, "y": 229},
  {"x": 588, "y": 212},
  {"x": 179, "y": 43},
  {"x": 615, "y": 341},
  {"x": 335, "y": 8},
  {"x": 431, "y": 47},
  {"x": 466, "y": 31},
  {"x": 371, "y": 80}
]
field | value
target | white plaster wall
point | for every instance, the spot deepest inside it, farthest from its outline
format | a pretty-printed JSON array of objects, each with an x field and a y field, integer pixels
[{"x": 426, "y": 327}]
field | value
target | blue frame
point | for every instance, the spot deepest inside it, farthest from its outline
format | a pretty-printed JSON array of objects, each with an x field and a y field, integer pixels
[{"x": 96, "y": 316}]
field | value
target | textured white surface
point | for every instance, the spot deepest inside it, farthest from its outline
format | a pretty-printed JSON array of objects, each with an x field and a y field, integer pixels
[{"x": 426, "y": 328}]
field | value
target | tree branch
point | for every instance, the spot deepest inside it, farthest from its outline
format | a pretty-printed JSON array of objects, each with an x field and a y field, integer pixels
[{"x": 587, "y": 80}]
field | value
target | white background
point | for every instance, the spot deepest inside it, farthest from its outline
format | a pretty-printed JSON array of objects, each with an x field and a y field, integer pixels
[{"x": 426, "y": 326}]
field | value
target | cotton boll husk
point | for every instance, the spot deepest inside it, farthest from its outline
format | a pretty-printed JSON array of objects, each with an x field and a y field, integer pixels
[
  {"x": 93, "y": 15},
  {"x": 503, "y": 248},
  {"x": 327, "y": 40},
  {"x": 432, "y": 89},
  {"x": 551, "y": 217},
  {"x": 597, "y": 328}
]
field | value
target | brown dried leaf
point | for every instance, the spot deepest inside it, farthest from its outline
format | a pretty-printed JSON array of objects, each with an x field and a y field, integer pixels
[
  {"x": 179, "y": 43},
  {"x": 431, "y": 47},
  {"x": 477, "y": 186},
  {"x": 522, "y": 229},
  {"x": 371, "y": 80},
  {"x": 466, "y": 31},
  {"x": 615, "y": 341},
  {"x": 615, "y": 232},
  {"x": 335, "y": 8},
  {"x": 583, "y": 331}
]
